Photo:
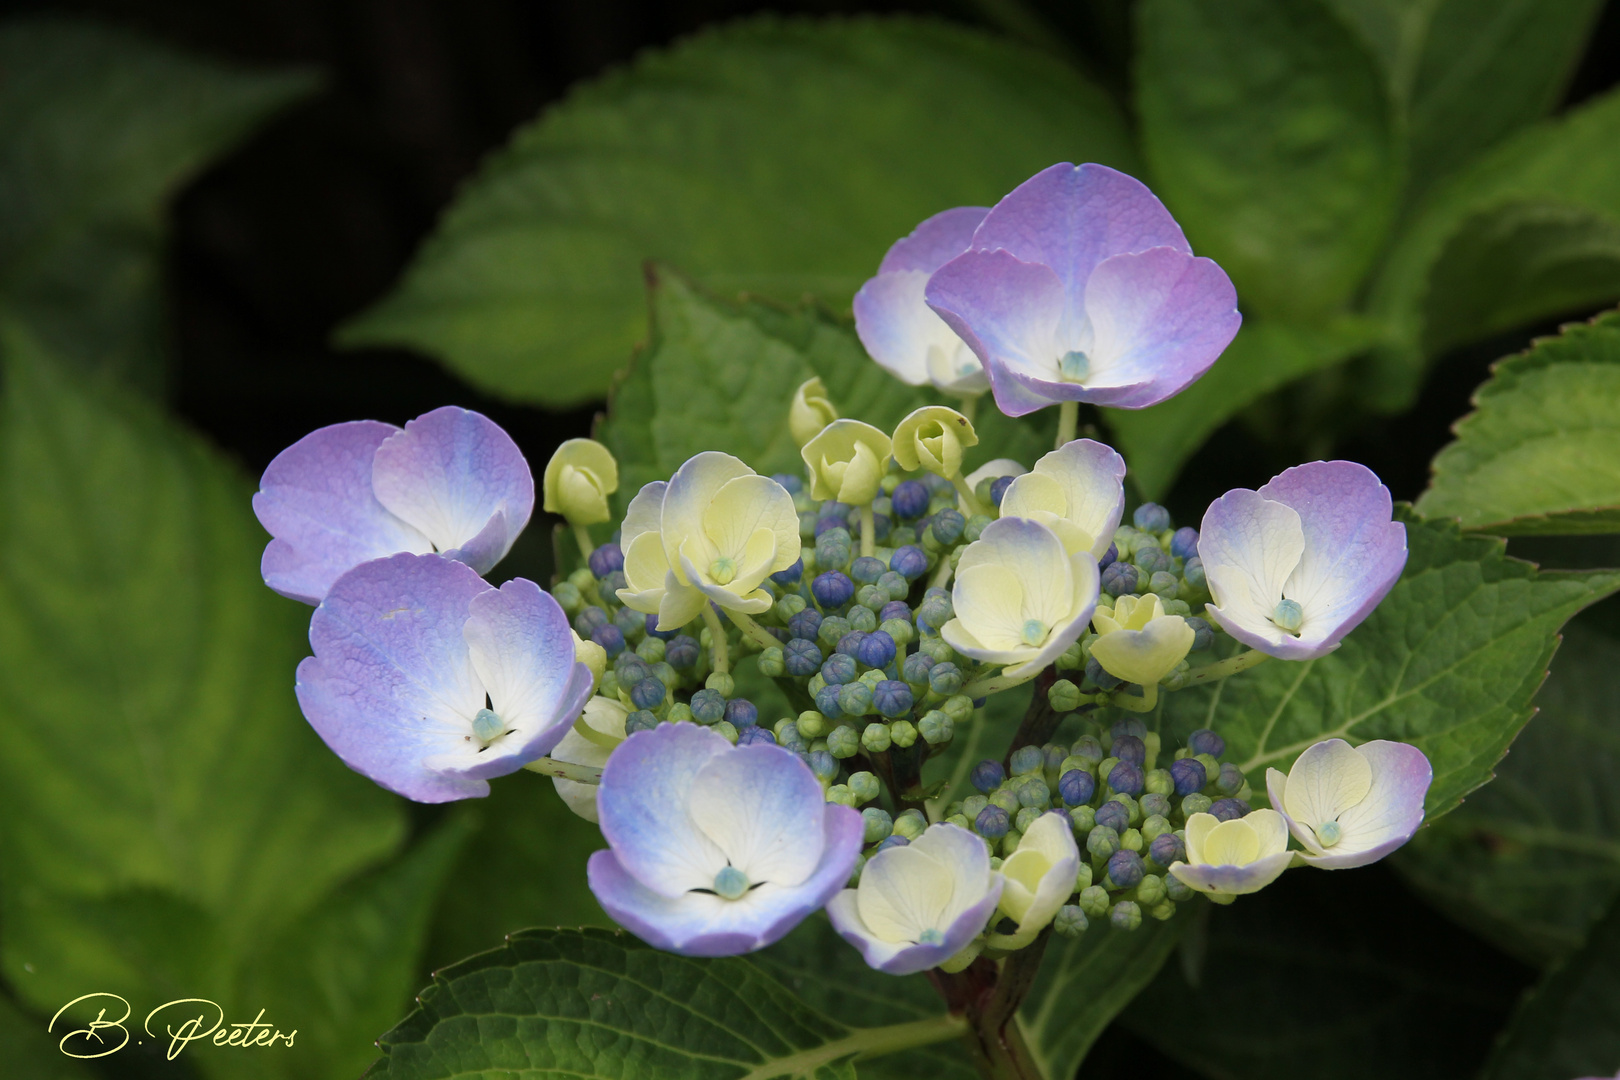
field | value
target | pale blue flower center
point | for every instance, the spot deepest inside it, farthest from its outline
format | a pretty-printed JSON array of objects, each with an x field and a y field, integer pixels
[
  {"x": 1288, "y": 616},
  {"x": 1074, "y": 366},
  {"x": 487, "y": 726},
  {"x": 1329, "y": 833},
  {"x": 1034, "y": 632},
  {"x": 730, "y": 883},
  {"x": 723, "y": 570},
  {"x": 930, "y": 937}
]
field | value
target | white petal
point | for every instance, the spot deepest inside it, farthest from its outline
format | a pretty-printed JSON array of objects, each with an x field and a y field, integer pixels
[{"x": 1326, "y": 780}]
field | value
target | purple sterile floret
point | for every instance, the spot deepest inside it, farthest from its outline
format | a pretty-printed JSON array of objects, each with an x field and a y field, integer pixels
[
  {"x": 451, "y": 481},
  {"x": 408, "y": 648},
  {"x": 1086, "y": 263},
  {"x": 679, "y": 806}
]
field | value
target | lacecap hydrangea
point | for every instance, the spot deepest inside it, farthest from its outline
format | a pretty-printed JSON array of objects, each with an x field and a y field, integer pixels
[{"x": 881, "y": 592}]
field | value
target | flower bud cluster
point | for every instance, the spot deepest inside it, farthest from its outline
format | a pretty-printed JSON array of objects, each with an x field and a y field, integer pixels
[{"x": 1127, "y": 805}]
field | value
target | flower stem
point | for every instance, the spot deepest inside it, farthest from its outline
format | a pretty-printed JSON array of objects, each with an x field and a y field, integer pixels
[
  {"x": 1131, "y": 703},
  {"x": 755, "y": 632},
  {"x": 565, "y": 770},
  {"x": 995, "y": 685},
  {"x": 970, "y": 500},
  {"x": 582, "y": 537},
  {"x": 1223, "y": 669},
  {"x": 942, "y": 573},
  {"x": 987, "y": 996},
  {"x": 719, "y": 657},
  {"x": 970, "y": 407},
  {"x": 1068, "y": 421},
  {"x": 868, "y": 530}
]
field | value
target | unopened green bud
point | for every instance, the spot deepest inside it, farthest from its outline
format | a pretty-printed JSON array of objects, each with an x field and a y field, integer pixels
[
  {"x": 863, "y": 618},
  {"x": 651, "y": 650},
  {"x": 1176, "y": 889},
  {"x": 855, "y": 698},
  {"x": 1158, "y": 782},
  {"x": 960, "y": 821},
  {"x": 1072, "y": 659},
  {"x": 959, "y": 708},
  {"x": 610, "y": 685},
  {"x": 1106, "y": 766},
  {"x": 910, "y": 824},
  {"x": 938, "y": 648},
  {"x": 864, "y": 785},
  {"x": 1230, "y": 780},
  {"x": 790, "y": 605},
  {"x": 840, "y": 794},
  {"x": 871, "y": 597},
  {"x": 1075, "y": 763},
  {"x": 1007, "y": 799},
  {"x": 1094, "y": 901},
  {"x": 975, "y": 526},
  {"x": 1150, "y": 891},
  {"x": 900, "y": 630},
  {"x": 582, "y": 579},
  {"x": 1125, "y": 916},
  {"x": 1102, "y": 842},
  {"x": 568, "y": 597},
  {"x": 725, "y": 728},
  {"x": 1212, "y": 768},
  {"x": 1155, "y": 827},
  {"x": 936, "y": 728},
  {"x": 878, "y": 824},
  {"x": 1196, "y": 804},
  {"x": 1063, "y": 696},
  {"x": 771, "y": 663},
  {"x": 1163, "y": 910},
  {"x": 1131, "y": 806},
  {"x": 1070, "y": 921},
  {"x": 721, "y": 683},
  {"x": 680, "y": 713},
  {"x": 812, "y": 725},
  {"x": 1027, "y": 817},
  {"x": 1131, "y": 840},
  {"x": 843, "y": 742},
  {"x": 1084, "y": 819},
  {"x": 902, "y": 733},
  {"x": 1084, "y": 878},
  {"x": 875, "y": 739},
  {"x": 1010, "y": 842}
]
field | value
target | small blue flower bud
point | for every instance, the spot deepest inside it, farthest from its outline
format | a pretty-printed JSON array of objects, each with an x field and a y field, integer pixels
[
  {"x": 613, "y": 583},
  {"x": 1165, "y": 584},
  {"x": 875, "y": 738},
  {"x": 1126, "y": 778},
  {"x": 708, "y": 707},
  {"x": 1087, "y": 747},
  {"x": 1125, "y": 870},
  {"x": 976, "y": 526},
  {"x": 917, "y": 669},
  {"x": 894, "y": 586},
  {"x": 610, "y": 637},
  {"x": 1076, "y": 787},
  {"x": 631, "y": 668},
  {"x": 948, "y": 526},
  {"x": 1109, "y": 558},
  {"x": 894, "y": 610},
  {"x": 1095, "y": 672},
  {"x": 835, "y": 510},
  {"x": 648, "y": 693},
  {"x": 589, "y": 620},
  {"x": 1151, "y": 518},
  {"x": 754, "y": 734},
  {"x": 791, "y": 575},
  {"x": 855, "y": 698},
  {"x": 1166, "y": 849},
  {"x": 876, "y": 649},
  {"x": 640, "y": 720},
  {"x": 892, "y": 698},
  {"x": 863, "y": 618},
  {"x": 987, "y": 775},
  {"x": 649, "y": 627},
  {"x": 792, "y": 483},
  {"x": 834, "y": 545},
  {"x": 910, "y": 500},
  {"x": 1119, "y": 579},
  {"x": 1027, "y": 761},
  {"x": 1184, "y": 544},
  {"x": 1205, "y": 741},
  {"x": 892, "y": 842},
  {"x": 806, "y": 624},
  {"x": 936, "y": 728},
  {"x": 932, "y": 614},
  {"x": 1193, "y": 572},
  {"x": 827, "y": 702},
  {"x": 866, "y": 569},
  {"x": 1126, "y": 915},
  {"x": 681, "y": 652},
  {"x": 1229, "y": 809},
  {"x": 1070, "y": 921},
  {"x": 843, "y": 742},
  {"x": 606, "y": 559},
  {"x": 1130, "y": 748},
  {"x": 832, "y": 589},
  {"x": 1114, "y": 815},
  {"x": 1203, "y": 633},
  {"x": 998, "y": 488},
  {"x": 878, "y": 824},
  {"x": 741, "y": 713},
  {"x": 992, "y": 823},
  {"x": 801, "y": 658},
  {"x": 1102, "y": 841},
  {"x": 1231, "y": 779},
  {"x": 910, "y": 562},
  {"x": 1151, "y": 559},
  {"x": 945, "y": 679},
  {"x": 839, "y": 668}
]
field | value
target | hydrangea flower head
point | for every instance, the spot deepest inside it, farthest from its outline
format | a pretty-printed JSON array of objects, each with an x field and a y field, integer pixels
[
  {"x": 430, "y": 681},
  {"x": 1077, "y": 491},
  {"x": 715, "y": 849},
  {"x": 1079, "y": 286},
  {"x": 846, "y": 460},
  {"x": 894, "y": 321},
  {"x": 1297, "y": 565},
  {"x": 1232, "y": 858},
  {"x": 1020, "y": 597},
  {"x": 1040, "y": 876},
  {"x": 919, "y": 905},
  {"x": 450, "y": 481},
  {"x": 1138, "y": 642},
  {"x": 1352, "y": 805},
  {"x": 714, "y": 532}
]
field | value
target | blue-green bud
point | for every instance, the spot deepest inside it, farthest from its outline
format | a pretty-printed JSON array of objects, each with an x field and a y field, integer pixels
[
  {"x": 1150, "y": 892},
  {"x": 1083, "y": 818},
  {"x": 936, "y": 728},
  {"x": 1153, "y": 805},
  {"x": 721, "y": 683},
  {"x": 871, "y": 596},
  {"x": 843, "y": 742},
  {"x": 1124, "y": 870},
  {"x": 1032, "y": 791},
  {"x": 789, "y": 606},
  {"x": 1094, "y": 901},
  {"x": 1196, "y": 804},
  {"x": 1102, "y": 842},
  {"x": 568, "y": 596},
  {"x": 938, "y": 648},
  {"x": 1027, "y": 816},
  {"x": 1154, "y": 827},
  {"x": 973, "y": 804},
  {"x": 916, "y": 669},
  {"x": 947, "y": 527},
  {"x": 1165, "y": 584},
  {"x": 1088, "y": 749},
  {"x": 840, "y": 794},
  {"x": 1212, "y": 768},
  {"x": 1125, "y": 916},
  {"x": 1133, "y": 809},
  {"x": 723, "y": 728},
  {"x": 708, "y": 706},
  {"x": 1063, "y": 696},
  {"x": 1158, "y": 782},
  {"x": 1027, "y": 761},
  {"x": 832, "y": 631},
  {"x": 813, "y": 725},
  {"x": 992, "y": 823},
  {"x": 934, "y": 613},
  {"x": 864, "y": 785},
  {"x": 1231, "y": 780},
  {"x": 959, "y": 708},
  {"x": 648, "y": 693},
  {"x": 898, "y": 629},
  {"x": 894, "y": 584},
  {"x": 1007, "y": 799},
  {"x": 1070, "y": 921},
  {"x": 855, "y": 698},
  {"x": 771, "y": 663},
  {"x": 1193, "y": 572},
  {"x": 1176, "y": 889},
  {"x": 878, "y": 824},
  {"x": 863, "y": 618},
  {"x": 975, "y": 526},
  {"x": 1166, "y": 848},
  {"x": 652, "y": 649},
  {"x": 902, "y": 733},
  {"x": 875, "y": 739},
  {"x": 910, "y": 824},
  {"x": 866, "y": 570},
  {"x": 945, "y": 679}
]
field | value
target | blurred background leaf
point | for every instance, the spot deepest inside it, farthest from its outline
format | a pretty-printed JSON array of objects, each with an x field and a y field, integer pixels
[{"x": 780, "y": 157}]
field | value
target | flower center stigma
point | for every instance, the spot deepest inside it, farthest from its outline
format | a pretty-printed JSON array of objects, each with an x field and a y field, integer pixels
[
  {"x": 730, "y": 883},
  {"x": 723, "y": 570},
  {"x": 487, "y": 727},
  {"x": 1288, "y": 615},
  {"x": 1074, "y": 366},
  {"x": 1329, "y": 833},
  {"x": 930, "y": 937},
  {"x": 1034, "y": 632}
]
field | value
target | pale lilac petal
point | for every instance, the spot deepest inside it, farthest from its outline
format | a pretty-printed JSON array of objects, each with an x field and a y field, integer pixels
[
  {"x": 897, "y": 327},
  {"x": 522, "y": 649},
  {"x": 702, "y": 924},
  {"x": 754, "y": 803},
  {"x": 1011, "y": 314},
  {"x": 1159, "y": 318},
  {"x": 1072, "y": 218},
  {"x": 935, "y": 242},
  {"x": 391, "y": 683},
  {"x": 1391, "y": 812},
  {"x": 1354, "y": 552},
  {"x": 315, "y": 499},
  {"x": 645, "y": 789},
  {"x": 1235, "y": 880},
  {"x": 457, "y": 477},
  {"x": 1249, "y": 546}
]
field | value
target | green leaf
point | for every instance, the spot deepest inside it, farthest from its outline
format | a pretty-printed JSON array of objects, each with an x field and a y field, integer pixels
[
  {"x": 1084, "y": 982},
  {"x": 1569, "y": 163},
  {"x": 1570, "y": 1024},
  {"x": 1448, "y": 662},
  {"x": 523, "y": 866},
  {"x": 33, "y": 1053},
  {"x": 777, "y": 156},
  {"x": 1532, "y": 859},
  {"x": 1157, "y": 441},
  {"x": 1471, "y": 72},
  {"x": 1541, "y": 451},
  {"x": 592, "y": 1003},
  {"x": 1270, "y": 135},
  {"x": 98, "y": 129},
  {"x": 168, "y": 811},
  {"x": 1334, "y": 976}
]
